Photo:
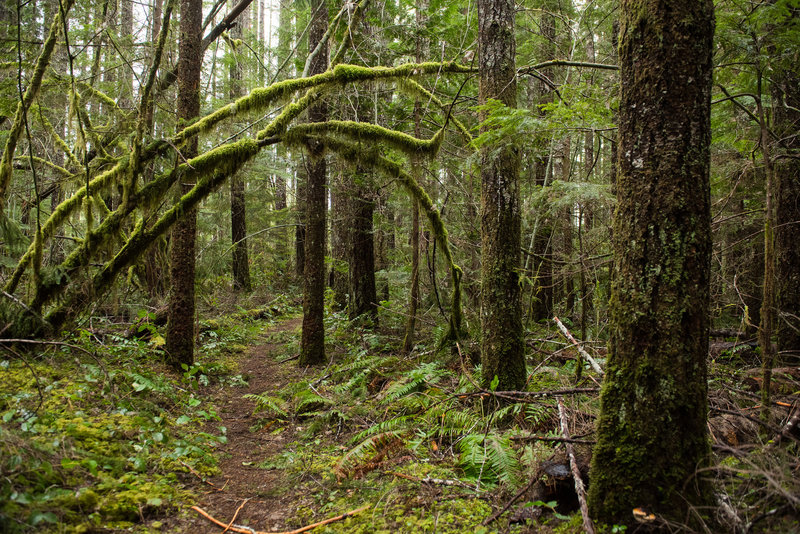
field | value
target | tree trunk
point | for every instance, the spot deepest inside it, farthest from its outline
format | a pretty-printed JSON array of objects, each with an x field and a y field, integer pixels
[
  {"x": 312, "y": 347},
  {"x": 786, "y": 120},
  {"x": 180, "y": 323},
  {"x": 502, "y": 345},
  {"x": 363, "y": 297},
  {"x": 240, "y": 260},
  {"x": 652, "y": 427},
  {"x": 340, "y": 241}
]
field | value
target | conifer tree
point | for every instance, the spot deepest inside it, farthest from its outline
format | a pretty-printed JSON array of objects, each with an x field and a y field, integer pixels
[{"x": 651, "y": 435}]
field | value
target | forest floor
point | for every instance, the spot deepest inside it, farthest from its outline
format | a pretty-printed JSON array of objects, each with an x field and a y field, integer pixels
[
  {"x": 257, "y": 497},
  {"x": 99, "y": 435}
]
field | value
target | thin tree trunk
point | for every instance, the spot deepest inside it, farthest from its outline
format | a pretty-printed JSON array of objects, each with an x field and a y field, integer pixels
[
  {"x": 312, "y": 346},
  {"x": 240, "y": 260},
  {"x": 180, "y": 322},
  {"x": 502, "y": 345}
]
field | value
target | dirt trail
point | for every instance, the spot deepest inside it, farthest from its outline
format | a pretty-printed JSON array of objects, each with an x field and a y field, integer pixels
[{"x": 267, "y": 506}]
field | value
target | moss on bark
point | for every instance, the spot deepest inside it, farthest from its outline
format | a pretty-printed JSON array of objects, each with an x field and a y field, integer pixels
[{"x": 652, "y": 429}]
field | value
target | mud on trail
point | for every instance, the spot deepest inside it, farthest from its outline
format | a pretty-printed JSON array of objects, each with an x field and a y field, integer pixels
[{"x": 258, "y": 498}]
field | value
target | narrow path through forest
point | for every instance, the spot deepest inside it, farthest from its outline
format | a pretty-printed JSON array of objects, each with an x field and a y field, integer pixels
[{"x": 256, "y": 496}]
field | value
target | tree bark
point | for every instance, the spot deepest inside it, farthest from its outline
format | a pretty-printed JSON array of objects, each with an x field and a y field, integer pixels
[
  {"x": 240, "y": 260},
  {"x": 786, "y": 120},
  {"x": 502, "y": 344},
  {"x": 312, "y": 347},
  {"x": 180, "y": 323},
  {"x": 652, "y": 427}
]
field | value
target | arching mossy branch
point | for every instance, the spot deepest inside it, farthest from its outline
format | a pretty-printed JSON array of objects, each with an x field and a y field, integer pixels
[
  {"x": 211, "y": 170},
  {"x": 354, "y": 153},
  {"x": 64, "y": 210},
  {"x": 372, "y": 133},
  {"x": 260, "y": 98},
  {"x": 22, "y": 107},
  {"x": 223, "y": 160}
]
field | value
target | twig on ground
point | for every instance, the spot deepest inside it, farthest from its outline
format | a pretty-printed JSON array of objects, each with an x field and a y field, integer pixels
[
  {"x": 234, "y": 515},
  {"x": 588, "y": 527},
  {"x": 512, "y": 501},
  {"x": 436, "y": 481},
  {"x": 198, "y": 475},
  {"x": 290, "y": 358},
  {"x": 246, "y": 530}
]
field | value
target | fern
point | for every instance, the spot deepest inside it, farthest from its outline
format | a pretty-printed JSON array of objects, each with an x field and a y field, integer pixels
[
  {"x": 396, "y": 425},
  {"x": 367, "y": 454},
  {"x": 489, "y": 458},
  {"x": 308, "y": 401},
  {"x": 426, "y": 374},
  {"x": 274, "y": 406}
]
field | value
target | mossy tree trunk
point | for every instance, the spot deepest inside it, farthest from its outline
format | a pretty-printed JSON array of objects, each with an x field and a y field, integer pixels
[
  {"x": 652, "y": 428},
  {"x": 422, "y": 46},
  {"x": 363, "y": 296},
  {"x": 786, "y": 121},
  {"x": 502, "y": 344},
  {"x": 340, "y": 238},
  {"x": 312, "y": 347},
  {"x": 180, "y": 321},
  {"x": 239, "y": 261},
  {"x": 542, "y": 276}
]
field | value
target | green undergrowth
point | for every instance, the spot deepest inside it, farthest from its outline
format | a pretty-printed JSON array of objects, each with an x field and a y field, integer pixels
[
  {"x": 408, "y": 435},
  {"x": 102, "y": 435}
]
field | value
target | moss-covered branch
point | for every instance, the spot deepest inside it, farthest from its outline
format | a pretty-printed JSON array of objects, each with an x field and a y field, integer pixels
[
  {"x": 210, "y": 170},
  {"x": 64, "y": 210},
  {"x": 260, "y": 98},
  {"x": 222, "y": 161},
  {"x": 353, "y": 153},
  {"x": 23, "y": 106},
  {"x": 372, "y": 133}
]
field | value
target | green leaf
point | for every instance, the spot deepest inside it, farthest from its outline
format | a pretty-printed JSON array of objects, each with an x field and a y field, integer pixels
[{"x": 495, "y": 382}]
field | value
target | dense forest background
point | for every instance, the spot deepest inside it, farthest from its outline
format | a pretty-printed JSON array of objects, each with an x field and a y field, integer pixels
[{"x": 381, "y": 236}]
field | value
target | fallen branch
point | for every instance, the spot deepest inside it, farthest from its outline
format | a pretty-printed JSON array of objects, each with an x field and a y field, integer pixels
[
  {"x": 246, "y": 530},
  {"x": 588, "y": 527},
  {"x": 556, "y": 439},
  {"x": 592, "y": 361},
  {"x": 232, "y": 528},
  {"x": 234, "y": 516},
  {"x": 788, "y": 428},
  {"x": 436, "y": 481}
]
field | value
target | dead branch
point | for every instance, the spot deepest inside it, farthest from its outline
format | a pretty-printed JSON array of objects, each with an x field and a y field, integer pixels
[
  {"x": 576, "y": 474},
  {"x": 592, "y": 361},
  {"x": 434, "y": 481},
  {"x": 555, "y": 439}
]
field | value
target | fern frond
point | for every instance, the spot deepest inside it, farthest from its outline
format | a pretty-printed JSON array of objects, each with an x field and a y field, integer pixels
[
  {"x": 417, "y": 379},
  {"x": 275, "y": 406},
  {"x": 368, "y": 454},
  {"x": 396, "y": 425},
  {"x": 490, "y": 457}
]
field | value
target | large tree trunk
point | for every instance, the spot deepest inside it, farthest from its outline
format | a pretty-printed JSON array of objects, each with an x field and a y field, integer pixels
[
  {"x": 180, "y": 323},
  {"x": 240, "y": 261},
  {"x": 502, "y": 346},
  {"x": 786, "y": 117},
  {"x": 652, "y": 427},
  {"x": 312, "y": 347}
]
